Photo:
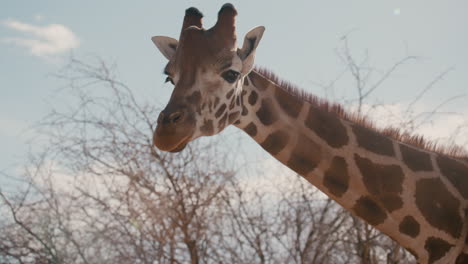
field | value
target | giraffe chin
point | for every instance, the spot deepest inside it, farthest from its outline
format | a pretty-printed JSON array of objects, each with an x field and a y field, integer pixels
[
  {"x": 173, "y": 138},
  {"x": 179, "y": 148},
  {"x": 169, "y": 144}
]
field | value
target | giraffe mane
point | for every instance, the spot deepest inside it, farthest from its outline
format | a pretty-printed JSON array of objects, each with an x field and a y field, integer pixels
[{"x": 338, "y": 110}]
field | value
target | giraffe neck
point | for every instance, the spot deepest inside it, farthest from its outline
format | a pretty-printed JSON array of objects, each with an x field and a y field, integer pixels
[{"x": 393, "y": 186}]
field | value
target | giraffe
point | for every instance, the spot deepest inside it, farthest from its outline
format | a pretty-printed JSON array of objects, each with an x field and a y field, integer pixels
[{"x": 400, "y": 185}]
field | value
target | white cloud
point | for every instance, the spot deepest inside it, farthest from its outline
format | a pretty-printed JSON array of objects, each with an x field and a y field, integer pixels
[
  {"x": 53, "y": 175},
  {"x": 38, "y": 17},
  {"x": 44, "y": 41},
  {"x": 270, "y": 177},
  {"x": 446, "y": 129}
]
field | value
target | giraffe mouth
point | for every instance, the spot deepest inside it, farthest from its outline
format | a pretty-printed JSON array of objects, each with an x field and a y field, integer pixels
[
  {"x": 171, "y": 143},
  {"x": 179, "y": 147}
]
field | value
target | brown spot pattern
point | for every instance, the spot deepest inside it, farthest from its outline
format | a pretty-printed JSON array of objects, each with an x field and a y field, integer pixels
[
  {"x": 462, "y": 259},
  {"x": 194, "y": 98},
  {"x": 246, "y": 81},
  {"x": 216, "y": 102},
  {"x": 456, "y": 172},
  {"x": 222, "y": 121},
  {"x": 233, "y": 116},
  {"x": 369, "y": 210},
  {"x": 409, "y": 226},
  {"x": 336, "y": 178},
  {"x": 229, "y": 94},
  {"x": 251, "y": 129},
  {"x": 438, "y": 206},
  {"x": 220, "y": 111},
  {"x": 290, "y": 104},
  {"x": 327, "y": 126},
  {"x": 416, "y": 160},
  {"x": 242, "y": 96},
  {"x": 232, "y": 103},
  {"x": 207, "y": 128},
  {"x": 275, "y": 142},
  {"x": 391, "y": 202},
  {"x": 384, "y": 182},
  {"x": 244, "y": 110},
  {"x": 305, "y": 156},
  {"x": 437, "y": 248},
  {"x": 373, "y": 141},
  {"x": 253, "y": 96},
  {"x": 210, "y": 106},
  {"x": 259, "y": 81},
  {"x": 266, "y": 113}
]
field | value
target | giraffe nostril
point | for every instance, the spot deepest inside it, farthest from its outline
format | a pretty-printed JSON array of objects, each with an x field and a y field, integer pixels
[{"x": 176, "y": 117}]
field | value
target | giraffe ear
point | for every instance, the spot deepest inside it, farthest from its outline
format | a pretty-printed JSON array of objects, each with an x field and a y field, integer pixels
[
  {"x": 247, "y": 52},
  {"x": 166, "y": 45}
]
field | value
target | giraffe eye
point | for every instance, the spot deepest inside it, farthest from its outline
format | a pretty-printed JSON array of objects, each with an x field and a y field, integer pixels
[
  {"x": 230, "y": 76},
  {"x": 169, "y": 79}
]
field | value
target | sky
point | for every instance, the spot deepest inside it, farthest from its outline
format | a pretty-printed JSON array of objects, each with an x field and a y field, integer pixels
[{"x": 300, "y": 44}]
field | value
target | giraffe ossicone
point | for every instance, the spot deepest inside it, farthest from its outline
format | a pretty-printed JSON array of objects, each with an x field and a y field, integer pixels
[{"x": 415, "y": 195}]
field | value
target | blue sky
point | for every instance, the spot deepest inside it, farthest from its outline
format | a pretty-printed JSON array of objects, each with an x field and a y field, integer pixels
[{"x": 299, "y": 44}]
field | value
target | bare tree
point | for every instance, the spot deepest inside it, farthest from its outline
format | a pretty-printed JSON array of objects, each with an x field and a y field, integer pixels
[
  {"x": 99, "y": 192},
  {"x": 367, "y": 244},
  {"x": 309, "y": 228},
  {"x": 106, "y": 192}
]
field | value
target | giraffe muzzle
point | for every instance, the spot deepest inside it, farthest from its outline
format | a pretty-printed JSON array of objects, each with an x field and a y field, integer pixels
[{"x": 174, "y": 130}]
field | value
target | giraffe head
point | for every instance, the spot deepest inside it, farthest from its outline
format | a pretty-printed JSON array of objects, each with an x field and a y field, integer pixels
[{"x": 207, "y": 71}]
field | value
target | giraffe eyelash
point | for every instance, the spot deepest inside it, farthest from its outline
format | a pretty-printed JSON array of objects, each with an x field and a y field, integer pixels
[{"x": 169, "y": 79}]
